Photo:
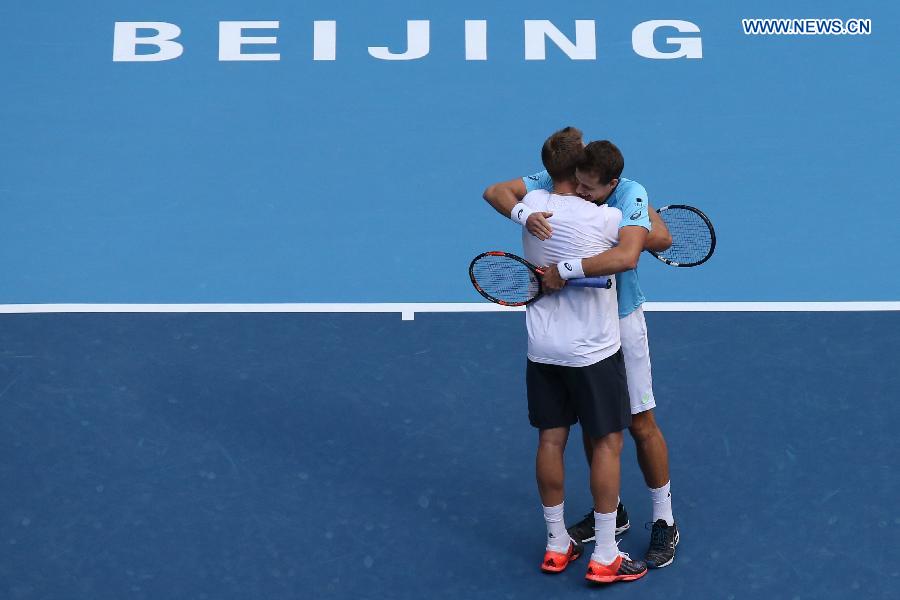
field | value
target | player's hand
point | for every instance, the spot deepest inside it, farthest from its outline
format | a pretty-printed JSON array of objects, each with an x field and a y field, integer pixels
[
  {"x": 551, "y": 281},
  {"x": 538, "y": 225}
]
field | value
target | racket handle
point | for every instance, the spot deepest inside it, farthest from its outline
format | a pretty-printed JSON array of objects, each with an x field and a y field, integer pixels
[{"x": 592, "y": 282}]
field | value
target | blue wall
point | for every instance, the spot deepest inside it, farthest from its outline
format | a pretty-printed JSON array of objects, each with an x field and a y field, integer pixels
[{"x": 358, "y": 180}]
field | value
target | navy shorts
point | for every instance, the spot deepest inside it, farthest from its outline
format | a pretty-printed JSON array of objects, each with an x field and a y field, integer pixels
[{"x": 595, "y": 395}]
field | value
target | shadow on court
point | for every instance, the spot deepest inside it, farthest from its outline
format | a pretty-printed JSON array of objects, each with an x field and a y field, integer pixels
[{"x": 236, "y": 456}]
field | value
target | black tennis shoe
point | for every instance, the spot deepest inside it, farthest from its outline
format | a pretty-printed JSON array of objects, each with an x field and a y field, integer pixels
[
  {"x": 663, "y": 539},
  {"x": 583, "y": 530}
]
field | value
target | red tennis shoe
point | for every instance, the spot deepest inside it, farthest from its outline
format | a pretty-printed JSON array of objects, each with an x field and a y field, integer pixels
[
  {"x": 621, "y": 569},
  {"x": 556, "y": 562}
]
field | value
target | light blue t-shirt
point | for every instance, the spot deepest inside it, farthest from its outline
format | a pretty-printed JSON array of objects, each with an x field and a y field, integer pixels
[{"x": 631, "y": 198}]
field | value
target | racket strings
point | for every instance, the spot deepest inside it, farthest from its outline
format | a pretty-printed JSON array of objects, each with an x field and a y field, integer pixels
[
  {"x": 691, "y": 238},
  {"x": 505, "y": 279}
]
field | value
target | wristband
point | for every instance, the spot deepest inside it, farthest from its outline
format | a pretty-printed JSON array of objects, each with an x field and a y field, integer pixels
[
  {"x": 570, "y": 269},
  {"x": 520, "y": 213}
]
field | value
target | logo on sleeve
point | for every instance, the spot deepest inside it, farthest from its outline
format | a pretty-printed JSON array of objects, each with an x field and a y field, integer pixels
[
  {"x": 519, "y": 214},
  {"x": 635, "y": 215},
  {"x": 639, "y": 200},
  {"x": 533, "y": 177},
  {"x": 568, "y": 266}
]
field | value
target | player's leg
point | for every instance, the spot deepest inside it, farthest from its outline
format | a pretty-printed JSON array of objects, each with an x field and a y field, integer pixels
[
  {"x": 650, "y": 444},
  {"x": 550, "y": 472},
  {"x": 549, "y": 466},
  {"x": 600, "y": 394},
  {"x": 583, "y": 530},
  {"x": 550, "y": 411},
  {"x": 652, "y": 453},
  {"x": 605, "y": 472}
]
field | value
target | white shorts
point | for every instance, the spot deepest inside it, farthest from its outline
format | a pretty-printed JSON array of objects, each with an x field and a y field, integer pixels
[{"x": 636, "y": 350}]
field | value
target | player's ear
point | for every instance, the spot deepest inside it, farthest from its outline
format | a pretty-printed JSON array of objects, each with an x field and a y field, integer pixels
[{"x": 614, "y": 182}]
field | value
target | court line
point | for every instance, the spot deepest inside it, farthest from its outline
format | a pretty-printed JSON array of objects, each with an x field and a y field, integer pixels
[{"x": 408, "y": 310}]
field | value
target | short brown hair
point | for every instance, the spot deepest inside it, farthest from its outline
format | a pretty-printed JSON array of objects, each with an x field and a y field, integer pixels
[
  {"x": 602, "y": 159},
  {"x": 562, "y": 152}
]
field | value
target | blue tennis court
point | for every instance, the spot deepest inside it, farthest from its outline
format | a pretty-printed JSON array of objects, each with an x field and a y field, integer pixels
[{"x": 335, "y": 456}]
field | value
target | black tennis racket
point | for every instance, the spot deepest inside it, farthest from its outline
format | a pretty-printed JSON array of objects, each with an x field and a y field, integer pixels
[
  {"x": 693, "y": 236},
  {"x": 510, "y": 280}
]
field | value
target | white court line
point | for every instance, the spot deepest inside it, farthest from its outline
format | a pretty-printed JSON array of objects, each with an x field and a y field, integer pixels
[
  {"x": 408, "y": 310},
  {"x": 771, "y": 306}
]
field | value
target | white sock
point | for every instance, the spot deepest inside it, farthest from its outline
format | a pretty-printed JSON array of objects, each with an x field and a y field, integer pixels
[
  {"x": 662, "y": 504},
  {"x": 557, "y": 537},
  {"x": 605, "y": 549}
]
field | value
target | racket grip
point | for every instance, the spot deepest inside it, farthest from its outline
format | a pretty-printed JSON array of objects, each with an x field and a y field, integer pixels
[{"x": 592, "y": 282}]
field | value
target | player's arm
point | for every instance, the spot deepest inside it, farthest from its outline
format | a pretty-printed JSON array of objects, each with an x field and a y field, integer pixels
[
  {"x": 634, "y": 232},
  {"x": 503, "y": 196},
  {"x": 659, "y": 238},
  {"x": 506, "y": 196},
  {"x": 623, "y": 257}
]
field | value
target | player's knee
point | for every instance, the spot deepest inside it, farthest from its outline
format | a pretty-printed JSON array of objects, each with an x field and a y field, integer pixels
[
  {"x": 551, "y": 446},
  {"x": 553, "y": 439},
  {"x": 609, "y": 444},
  {"x": 643, "y": 426}
]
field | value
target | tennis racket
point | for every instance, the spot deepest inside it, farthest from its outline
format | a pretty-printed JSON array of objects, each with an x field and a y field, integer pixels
[
  {"x": 510, "y": 280},
  {"x": 693, "y": 236}
]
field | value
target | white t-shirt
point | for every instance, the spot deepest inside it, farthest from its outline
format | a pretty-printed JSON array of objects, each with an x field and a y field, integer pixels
[{"x": 574, "y": 327}]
